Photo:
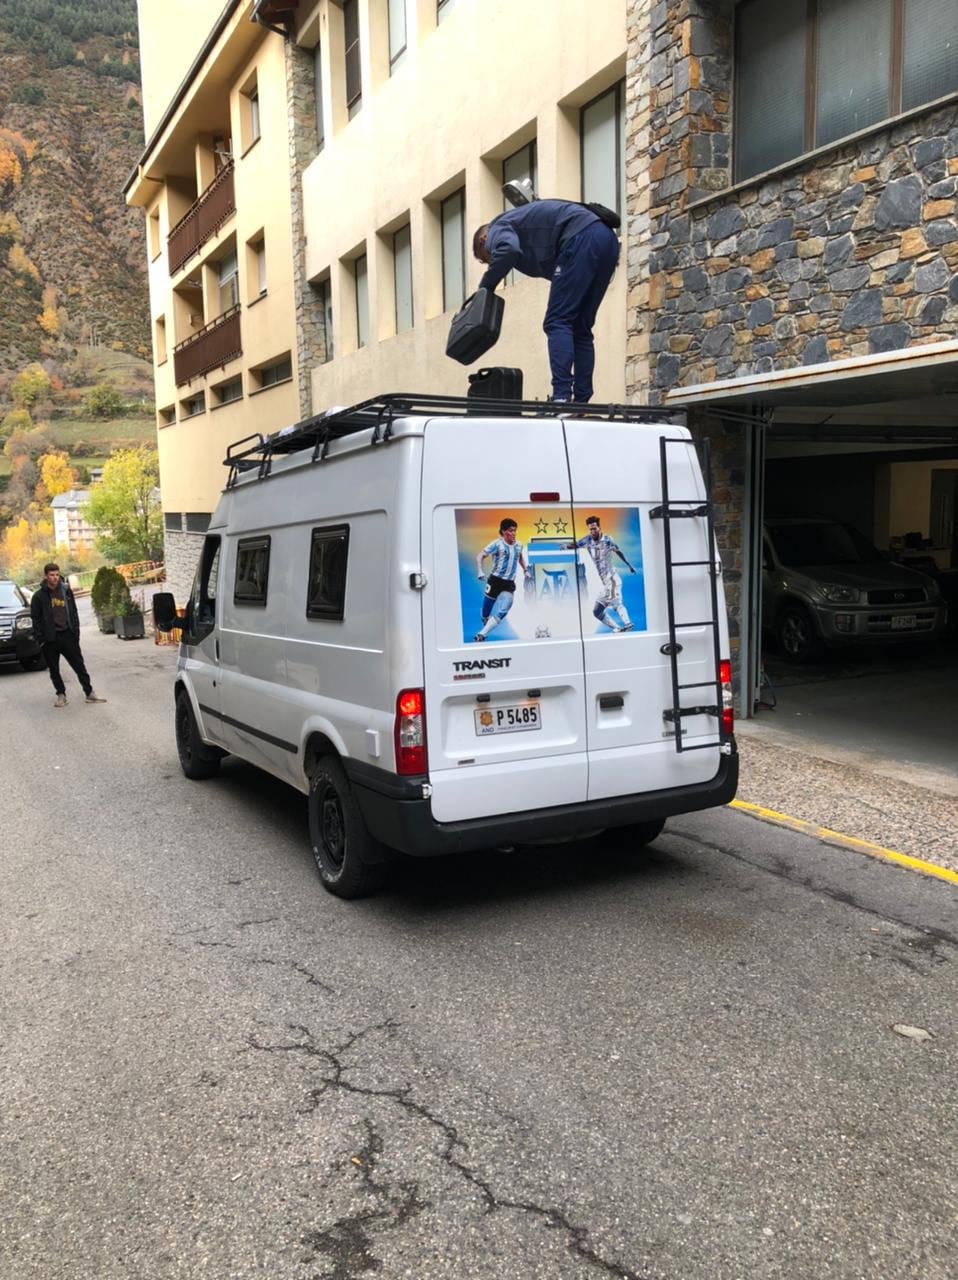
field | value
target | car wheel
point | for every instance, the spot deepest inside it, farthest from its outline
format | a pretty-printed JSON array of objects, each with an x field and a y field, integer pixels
[
  {"x": 348, "y": 859},
  {"x": 36, "y": 663},
  {"x": 798, "y": 640},
  {"x": 639, "y": 834},
  {"x": 197, "y": 760}
]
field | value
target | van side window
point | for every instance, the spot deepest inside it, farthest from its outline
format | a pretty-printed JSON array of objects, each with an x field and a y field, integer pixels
[
  {"x": 202, "y": 607},
  {"x": 326, "y": 592},
  {"x": 252, "y": 571}
]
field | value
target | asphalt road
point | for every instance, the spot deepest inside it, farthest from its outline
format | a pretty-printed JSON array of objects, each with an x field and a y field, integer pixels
[{"x": 579, "y": 1062}]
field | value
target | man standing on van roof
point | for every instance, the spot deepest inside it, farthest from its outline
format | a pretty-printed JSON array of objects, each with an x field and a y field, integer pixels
[
  {"x": 56, "y": 624},
  {"x": 566, "y": 243},
  {"x": 507, "y": 555}
]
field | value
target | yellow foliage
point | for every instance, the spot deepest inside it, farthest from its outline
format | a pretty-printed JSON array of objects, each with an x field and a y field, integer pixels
[
  {"x": 22, "y": 264},
  {"x": 49, "y": 321},
  {"x": 23, "y": 541},
  {"x": 11, "y": 171},
  {"x": 10, "y": 226},
  {"x": 56, "y": 474}
]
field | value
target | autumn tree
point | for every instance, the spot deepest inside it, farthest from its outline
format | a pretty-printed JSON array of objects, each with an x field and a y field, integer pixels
[
  {"x": 16, "y": 420},
  {"x": 29, "y": 386},
  {"x": 103, "y": 401},
  {"x": 56, "y": 474},
  {"x": 49, "y": 318},
  {"x": 124, "y": 507}
]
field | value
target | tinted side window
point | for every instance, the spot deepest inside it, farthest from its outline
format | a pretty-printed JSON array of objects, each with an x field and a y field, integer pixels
[
  {"x": 326, "y": 590},
  {"x": 202, "y": 606},
  {"x": 252, "y": 571}
]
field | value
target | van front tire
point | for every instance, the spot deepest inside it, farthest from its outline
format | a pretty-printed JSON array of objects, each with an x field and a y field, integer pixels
[
  {"x": 348, "y": 858},
  {"x": 197, "y": 760},
  {"x": 638, "y": 834}
]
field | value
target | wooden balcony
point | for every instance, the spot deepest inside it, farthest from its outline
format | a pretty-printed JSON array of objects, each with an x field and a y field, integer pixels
[
  {"x": 209, "y": 348},
  {"x": 203, "y": 219}
]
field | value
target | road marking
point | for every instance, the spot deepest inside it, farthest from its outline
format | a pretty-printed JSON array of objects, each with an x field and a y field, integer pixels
[{"x": 847, "y": 842}]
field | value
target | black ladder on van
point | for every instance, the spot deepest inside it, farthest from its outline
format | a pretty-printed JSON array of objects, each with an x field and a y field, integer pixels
[{"x": 690, "y": 509}]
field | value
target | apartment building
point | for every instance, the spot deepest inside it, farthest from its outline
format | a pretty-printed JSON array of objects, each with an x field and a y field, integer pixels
[
  {"x": 70, "y": 529},
  {"x": 311, "y": 181},
  {"x": 793, "y": 267},
  {"x": 216, "y": 185}
]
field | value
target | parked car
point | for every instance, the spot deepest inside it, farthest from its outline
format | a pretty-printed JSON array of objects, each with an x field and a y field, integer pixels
[
  {"x": 355, "y": 586},
  {"x": 826, "y": 585},
  {"x": 17, "y": 641}
]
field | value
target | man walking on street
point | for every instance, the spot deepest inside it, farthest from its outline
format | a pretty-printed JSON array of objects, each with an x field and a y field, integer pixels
[
  {"x": 570, "y": 245},
  {"x": 56, "y": 624}
]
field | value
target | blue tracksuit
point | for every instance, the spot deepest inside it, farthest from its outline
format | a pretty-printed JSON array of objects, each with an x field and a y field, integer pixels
[{"x": 566, "y": 243}]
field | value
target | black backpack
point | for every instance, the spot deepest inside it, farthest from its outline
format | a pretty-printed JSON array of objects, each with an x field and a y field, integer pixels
[{"x": 604, "y": 214}]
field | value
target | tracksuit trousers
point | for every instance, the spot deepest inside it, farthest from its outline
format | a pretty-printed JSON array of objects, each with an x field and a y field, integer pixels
[{"x": 583, "y": 271}]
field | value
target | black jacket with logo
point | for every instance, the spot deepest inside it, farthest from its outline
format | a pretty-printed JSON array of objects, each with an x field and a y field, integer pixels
[{"x": 41, "y": 610}]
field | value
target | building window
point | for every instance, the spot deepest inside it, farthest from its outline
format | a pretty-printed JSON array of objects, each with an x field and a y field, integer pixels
[
  {"x": 324, "y": 297},
  {"x": 227, "y": 392},
  {"x": 443, "y": 7},
  {"x": 173, "y": 521},
  {"x": 252, "y": 571},
  {"x": 326, "y": 589},
  {"x": 361, "y": 279},
  {"x": 256, "y": 269},
  {"x": 193, "y": 405},
  {"x": 318, "y": 90},
  {"x": 354, "y": 75},
  {"x": 270, "y": 375},
  {"x": 515, "y": 168},
  {"x": 602, "y": 139},
  {"x": 810, "y": 72},
  {"x": 402, "y": 273},
  {"x": 197, "y": 521},
  {"x": 228, "y": 282},
  {"x": 254, "y": 125},
  {"x": 452, "y": 214},
  {"x": 159, "y": 342},
  {"x": 396, "y": 13},
  {"x": 154, "y": 230},
  {"x": 167, "y": 415}
]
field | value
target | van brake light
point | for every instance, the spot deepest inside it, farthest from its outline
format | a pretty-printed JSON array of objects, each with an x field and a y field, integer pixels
[
  {"x": 410, "y": 732},
  {"x": 728, "y": 710}
]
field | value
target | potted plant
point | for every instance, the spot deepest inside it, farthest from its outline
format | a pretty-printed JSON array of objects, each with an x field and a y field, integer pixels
[
  {"x": 127, "y": 614},
  {"x": 101, "y": 597}
]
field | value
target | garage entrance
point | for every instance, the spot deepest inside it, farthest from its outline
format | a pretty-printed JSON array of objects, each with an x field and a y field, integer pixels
[{"x": 850, "y": 555}]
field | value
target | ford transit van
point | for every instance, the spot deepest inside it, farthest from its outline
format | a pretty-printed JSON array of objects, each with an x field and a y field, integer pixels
[{"x": 455, "y": 630}]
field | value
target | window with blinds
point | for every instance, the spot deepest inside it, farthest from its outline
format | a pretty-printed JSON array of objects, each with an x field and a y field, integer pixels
[
  {"x": 354, "y": 78},
  {"x": 811, "y": 72}
]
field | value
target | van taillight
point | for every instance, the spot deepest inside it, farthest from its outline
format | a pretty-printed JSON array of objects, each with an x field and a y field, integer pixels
[
  {"x": 410, "y": 732},
  {"x": 728, "y": 712}
]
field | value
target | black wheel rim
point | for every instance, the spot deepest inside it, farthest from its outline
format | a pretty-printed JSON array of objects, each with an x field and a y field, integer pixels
[
  {"x": 794, "y": 634},
  {"x": 183, "y": 735},
  {"x": 332, "y": 829}
]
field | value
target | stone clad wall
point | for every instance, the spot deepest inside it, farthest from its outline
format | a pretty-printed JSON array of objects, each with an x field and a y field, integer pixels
[{"x": 181, "y": 555}]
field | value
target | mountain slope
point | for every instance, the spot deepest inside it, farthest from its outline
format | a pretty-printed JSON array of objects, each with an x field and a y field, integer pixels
[{"x": 72, "y": 258}]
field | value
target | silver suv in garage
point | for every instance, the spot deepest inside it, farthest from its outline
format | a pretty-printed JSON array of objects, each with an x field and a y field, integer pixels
[{"x": 825, "y": 585}]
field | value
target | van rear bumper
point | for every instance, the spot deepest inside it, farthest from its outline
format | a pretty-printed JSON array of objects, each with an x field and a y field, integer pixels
[{"x": 405, "y": 821}]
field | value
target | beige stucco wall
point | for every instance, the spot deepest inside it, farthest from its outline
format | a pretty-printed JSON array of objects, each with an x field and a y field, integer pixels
[
  {"x": 909, "y": 504},
  {"x": 171, "y": 35},
  {"x": 467, "y": 93}
]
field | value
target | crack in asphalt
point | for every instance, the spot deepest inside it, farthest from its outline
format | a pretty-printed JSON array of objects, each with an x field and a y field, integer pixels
[
  {"x": 347, "y": 1242},
  {"x": 301, "y": 969},
  {"x": 246, "y": 924},
  {"x": 332, "y": 1060}
]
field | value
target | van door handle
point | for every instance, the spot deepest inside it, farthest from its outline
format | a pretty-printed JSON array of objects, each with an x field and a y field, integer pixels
[{"x": 611, "y": 701}]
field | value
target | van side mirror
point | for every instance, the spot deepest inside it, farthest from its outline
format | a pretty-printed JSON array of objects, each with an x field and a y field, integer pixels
[{"x": 164, "y": 612}]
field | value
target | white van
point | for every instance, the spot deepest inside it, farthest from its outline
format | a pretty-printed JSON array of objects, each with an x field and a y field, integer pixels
[{"x": 457, "y": 629}]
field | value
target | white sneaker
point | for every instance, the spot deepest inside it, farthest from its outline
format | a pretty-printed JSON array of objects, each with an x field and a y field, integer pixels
[{"x": 61, "y": 700}]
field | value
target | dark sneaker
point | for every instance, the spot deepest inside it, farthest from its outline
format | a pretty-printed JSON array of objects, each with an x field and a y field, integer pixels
[
  {"x": 61, "y": 700},
  {"x": 91, "y": 697},
  {"x": 478, "y": 636}
]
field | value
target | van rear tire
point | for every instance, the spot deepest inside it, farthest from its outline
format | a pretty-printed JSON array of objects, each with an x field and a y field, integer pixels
[
  {"x": 197, "y": 760},
  {"x": 349, "y": 860}
]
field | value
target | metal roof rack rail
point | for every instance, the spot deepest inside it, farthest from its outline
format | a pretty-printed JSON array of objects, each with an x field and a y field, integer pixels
[{"x": 379, "y": 414}]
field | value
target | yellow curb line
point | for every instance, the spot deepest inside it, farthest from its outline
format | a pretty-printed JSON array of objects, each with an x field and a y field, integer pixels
[{"x": 848, "y": 842}]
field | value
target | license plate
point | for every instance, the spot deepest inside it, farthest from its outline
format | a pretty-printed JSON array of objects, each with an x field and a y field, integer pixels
[
  {"x": 904, "y": 622},
  {"x": 511, "y": 718}
]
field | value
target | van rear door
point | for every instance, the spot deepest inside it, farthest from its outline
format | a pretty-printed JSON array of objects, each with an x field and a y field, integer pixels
[
  {"x": 615, "y": 472},
  {"x": 505, "y": 714}
]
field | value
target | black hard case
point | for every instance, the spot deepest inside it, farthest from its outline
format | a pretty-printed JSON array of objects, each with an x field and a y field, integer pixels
[
  {"x": 497, "y": 383},
  {"x": 475, "y": 327}
]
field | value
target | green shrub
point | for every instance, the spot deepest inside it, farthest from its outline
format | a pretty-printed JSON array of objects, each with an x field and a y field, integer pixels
[
  {"x": 103, "y": 401},
  {"x": 107, "y": 585}
]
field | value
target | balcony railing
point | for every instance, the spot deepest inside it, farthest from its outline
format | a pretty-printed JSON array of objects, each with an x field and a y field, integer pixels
[
  {"x": 209, "y": 348},
  {"x": 203, "y": 219}
]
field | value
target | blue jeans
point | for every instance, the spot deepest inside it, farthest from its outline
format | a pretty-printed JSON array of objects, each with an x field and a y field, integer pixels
[{"x": 584, "y": 268}]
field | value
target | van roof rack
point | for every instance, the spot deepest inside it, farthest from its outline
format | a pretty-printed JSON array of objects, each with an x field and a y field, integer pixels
[{"x": 256, "y": 452}]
